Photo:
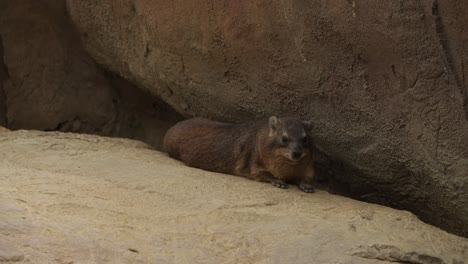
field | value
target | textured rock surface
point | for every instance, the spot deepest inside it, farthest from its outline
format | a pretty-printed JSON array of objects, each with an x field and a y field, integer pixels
[
  {"x": 70, "y": 198},
  {"x": 377, "y": 78},
  {"x": 49, "y": 82}
]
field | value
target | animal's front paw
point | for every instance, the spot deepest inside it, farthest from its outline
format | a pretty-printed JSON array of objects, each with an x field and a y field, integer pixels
[
  {"x": 280, "y": 184},
  {"x": 306, "y": 187}
]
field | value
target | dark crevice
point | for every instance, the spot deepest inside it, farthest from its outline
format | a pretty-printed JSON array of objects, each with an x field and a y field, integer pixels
[
  {"x": 394, "y": 254},
  {"x": 147, "y": 50},
  {"x": 447, "y": 55},
  {"x": 4, "y": 75},
  {"x": 464, "y": 91},
  {"x": 138, "y": 113},
  {"x": 133, "y": 250},
  {"x": 64, "y": 126}
]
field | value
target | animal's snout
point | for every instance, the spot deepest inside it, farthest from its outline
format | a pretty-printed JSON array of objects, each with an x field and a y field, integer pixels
[{"x": 296, "y": 154}]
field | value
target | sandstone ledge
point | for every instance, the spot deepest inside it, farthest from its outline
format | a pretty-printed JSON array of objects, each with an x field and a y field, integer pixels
[{"x": 70, "y": 198}]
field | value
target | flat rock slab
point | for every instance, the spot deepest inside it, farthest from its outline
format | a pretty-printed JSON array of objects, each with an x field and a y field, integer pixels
[{"x": 70, "y": 198}]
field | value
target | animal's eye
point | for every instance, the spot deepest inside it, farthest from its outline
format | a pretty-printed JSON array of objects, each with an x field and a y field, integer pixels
[
  {"x": 304, "y": 140},
  {"x": 284, "y": 139}
]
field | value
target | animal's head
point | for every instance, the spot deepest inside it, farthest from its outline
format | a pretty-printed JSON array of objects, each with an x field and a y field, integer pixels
[{"x": 289, "y": 138}]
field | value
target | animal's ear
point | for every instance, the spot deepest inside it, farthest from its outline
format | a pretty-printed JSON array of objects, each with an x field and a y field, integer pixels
[
  {"x": 307, "y": 124},
  {"x": 273, "y": 123}
]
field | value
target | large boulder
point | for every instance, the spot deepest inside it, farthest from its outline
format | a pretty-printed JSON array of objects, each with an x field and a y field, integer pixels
[
  {"x": 70, "y": 198},
  {"x": 49, "y": 82},
  {"x": 382, "y": 81}
]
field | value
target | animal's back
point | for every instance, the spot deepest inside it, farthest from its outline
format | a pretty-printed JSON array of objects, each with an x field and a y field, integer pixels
[{"x": 206, "y": 144}]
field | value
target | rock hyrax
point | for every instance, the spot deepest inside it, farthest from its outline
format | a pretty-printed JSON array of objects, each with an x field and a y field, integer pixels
[{"x": 277, "y": 150}]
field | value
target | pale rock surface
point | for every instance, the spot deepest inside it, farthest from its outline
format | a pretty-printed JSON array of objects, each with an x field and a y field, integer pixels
[{"x": 70, "y": 198}]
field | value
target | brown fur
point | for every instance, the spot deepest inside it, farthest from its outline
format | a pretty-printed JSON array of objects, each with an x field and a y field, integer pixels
[
  {"x": 3, "y": 129},
  {"x": 254, "y": 150}
]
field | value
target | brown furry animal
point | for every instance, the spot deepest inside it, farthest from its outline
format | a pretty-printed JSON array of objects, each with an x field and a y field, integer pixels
[{"x": 277, "y": 150}]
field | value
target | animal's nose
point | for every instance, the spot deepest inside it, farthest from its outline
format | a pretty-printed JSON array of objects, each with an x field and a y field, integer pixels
[{"x": 296, "y": 154}]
